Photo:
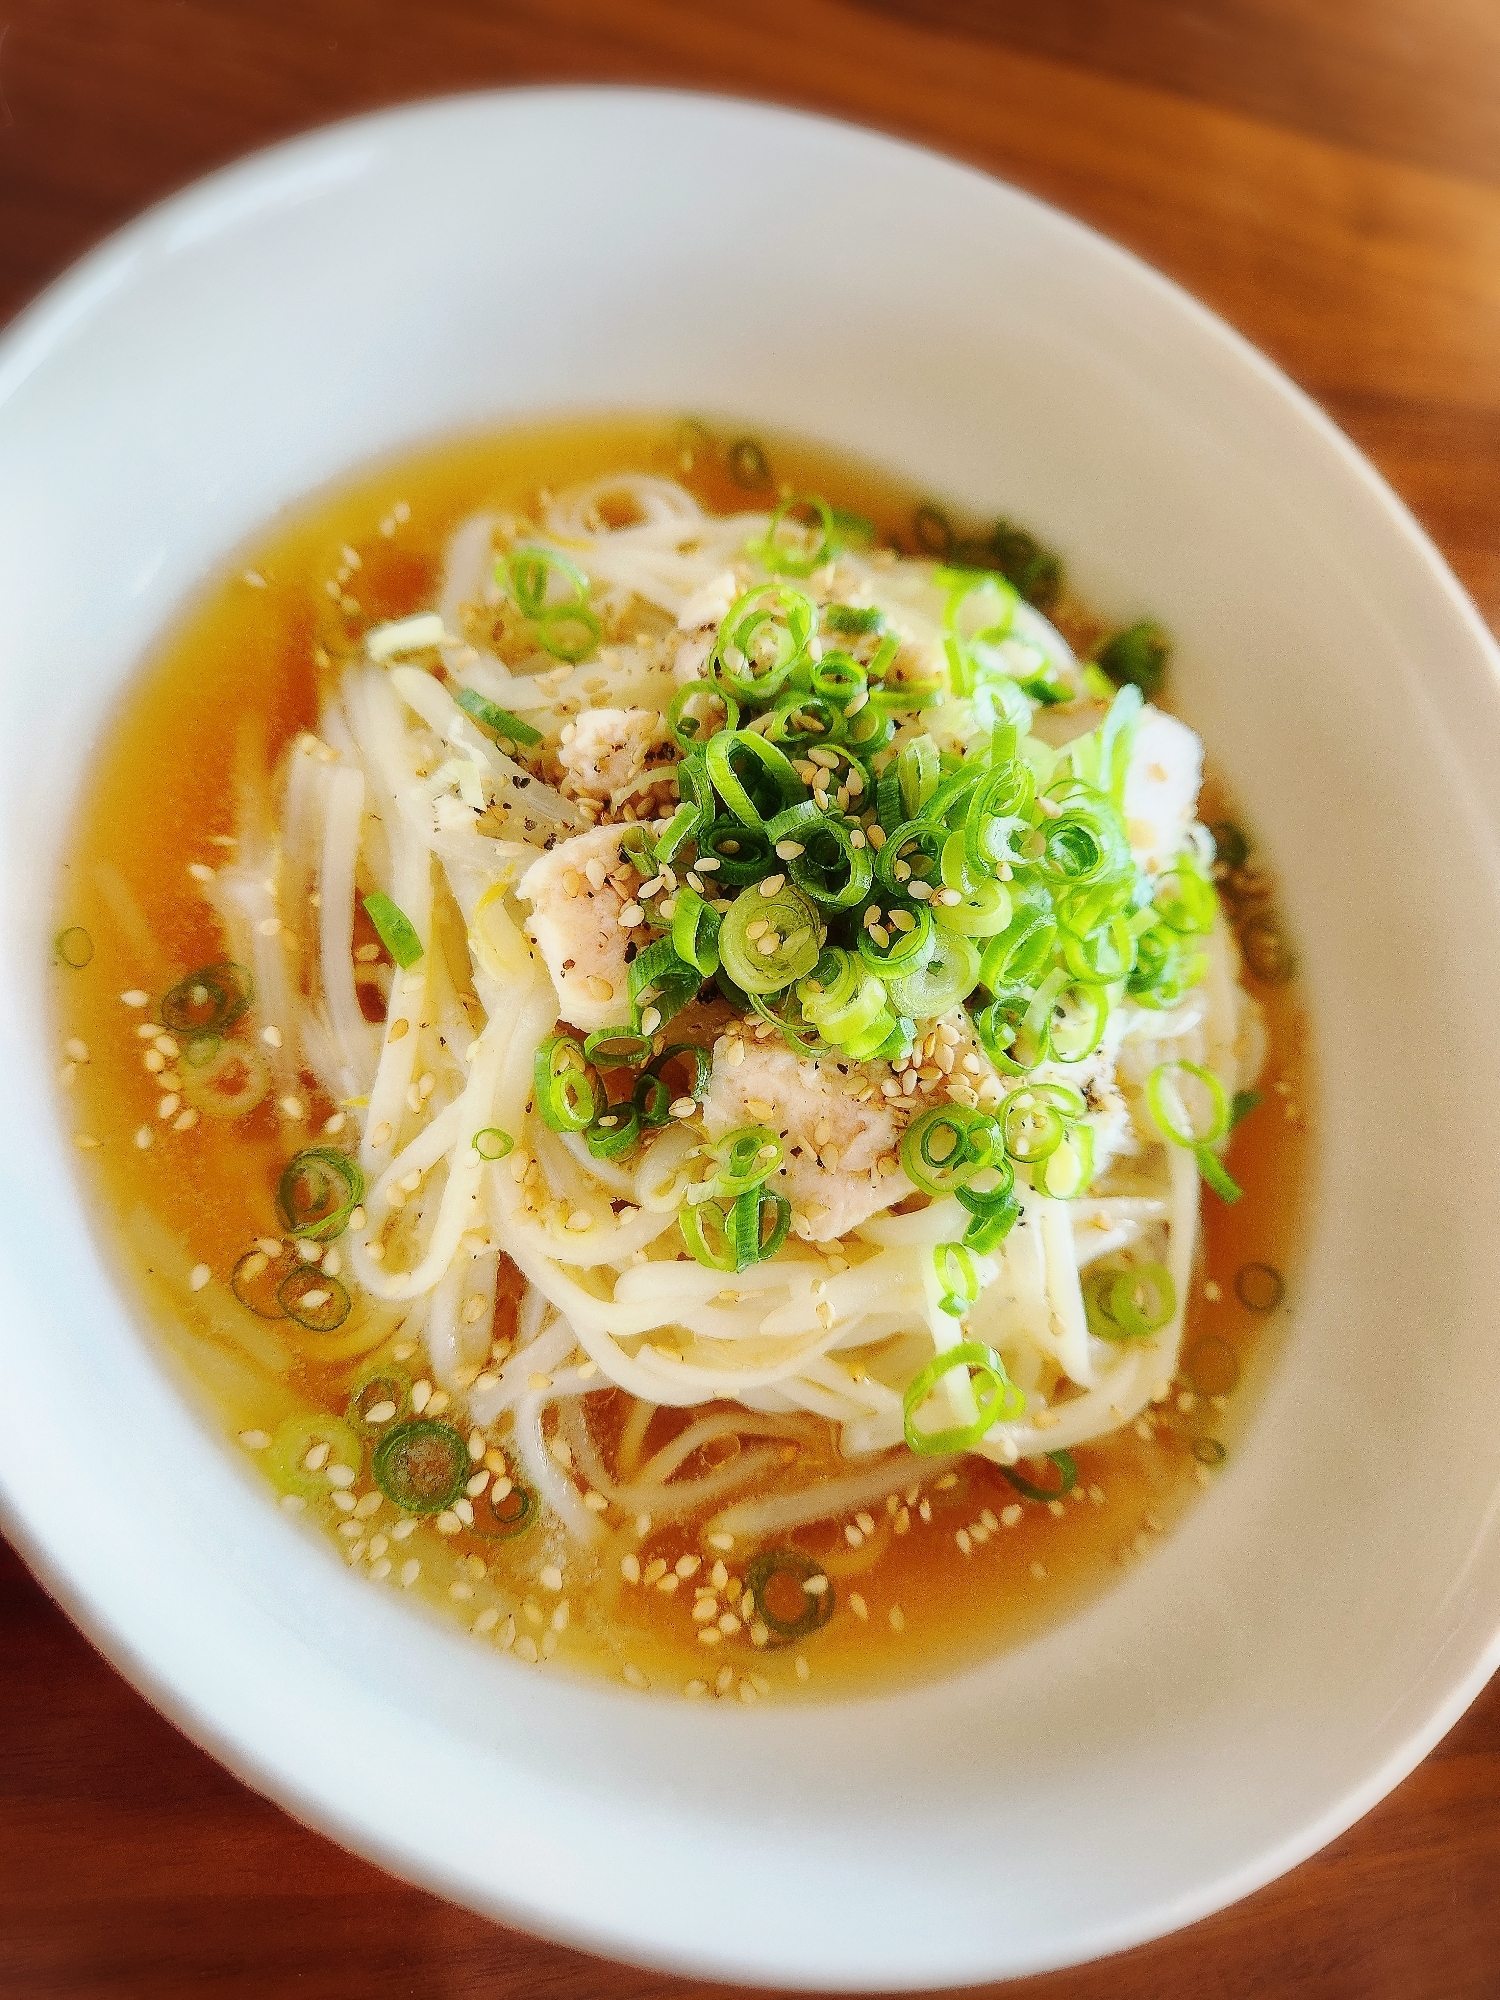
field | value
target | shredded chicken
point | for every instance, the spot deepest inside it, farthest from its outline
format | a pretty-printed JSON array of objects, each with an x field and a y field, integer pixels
[
  {"x": 577, "y": 893},
  {"x": 833, "y": 1144},
  {"x": 605, "y": 749}
]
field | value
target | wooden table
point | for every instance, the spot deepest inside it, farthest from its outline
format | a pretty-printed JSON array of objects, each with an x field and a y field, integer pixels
[{"x": 1325, "y": 173}]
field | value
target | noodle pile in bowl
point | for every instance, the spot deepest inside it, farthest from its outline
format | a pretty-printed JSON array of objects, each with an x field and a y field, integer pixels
[{"x": 799, "y": 966}]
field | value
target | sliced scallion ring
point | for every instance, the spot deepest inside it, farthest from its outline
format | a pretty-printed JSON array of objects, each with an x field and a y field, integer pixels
[
  {"x": 500, "y": 1517},
  {"x": 567, "y": 1095},
  {"x": 1067, "y": 1473},
  {"x": 383, "y": 1387},
  {"x": 73, "y": 947},
  {"x": 313, "y": 1299},
  {"x": 1000, "y": 1401},
  {"x": 316, "y": 1434},
  {"x": 792, "y": 1594},
  {"x": 767, "y": 942},
  {"x": 209, "y": 1001},
  {"x": 499, "y": 721},
  {"x": 422, "y": 1465},
  {"x": 318, "y": 1191},
  {"x": 394, "y": 928},
  {"x": 1260, "y": 1288}
]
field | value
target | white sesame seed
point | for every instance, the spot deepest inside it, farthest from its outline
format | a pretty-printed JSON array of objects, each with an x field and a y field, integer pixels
[
  {"x": 411, "y": 1569},
  {"x": 634, "y": 1676},
  {"x": 135, "y": 997},
  {"x": 143, "y": 1136},
  {"x": 255, "y": 1440}
]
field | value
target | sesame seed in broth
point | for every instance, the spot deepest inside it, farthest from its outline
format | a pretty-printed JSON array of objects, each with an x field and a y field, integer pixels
[{"x": 669, "y": 1611}]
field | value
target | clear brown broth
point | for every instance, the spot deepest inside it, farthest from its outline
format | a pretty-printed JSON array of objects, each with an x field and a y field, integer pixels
[{"x": 242, "y": 673}]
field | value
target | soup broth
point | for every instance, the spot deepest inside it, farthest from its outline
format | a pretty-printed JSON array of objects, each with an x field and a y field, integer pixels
[{"x": 947, "y": 1568}]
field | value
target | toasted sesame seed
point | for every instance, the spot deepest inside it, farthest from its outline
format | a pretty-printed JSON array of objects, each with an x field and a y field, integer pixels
[
  {"x": 710, "y": 1636},
  {"x": 858, "y": 1606},
  {"x": 551, "y": 1577},
  {"x": 1039, "y": 1571},
  {"x": 772, "y": 885},
  {"x": 1011, "y": 1514},
  {"x": 630, "y": 1568},
  {"x": 634, "y": 1676},
  {"x": 804, "y": 1671},
  {"x": 135, "y": 997},
  {"x": 963, "y": 1540},
  {"x": 255, "y": 1440},
  {"x": 897, "y": 1618}
]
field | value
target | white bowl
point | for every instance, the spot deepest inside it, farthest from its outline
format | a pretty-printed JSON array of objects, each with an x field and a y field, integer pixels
[{"x": 1327, "y": 1612}]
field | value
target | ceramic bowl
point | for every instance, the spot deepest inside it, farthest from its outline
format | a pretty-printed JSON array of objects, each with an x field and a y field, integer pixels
[{"x": 1287, "y": 1655}]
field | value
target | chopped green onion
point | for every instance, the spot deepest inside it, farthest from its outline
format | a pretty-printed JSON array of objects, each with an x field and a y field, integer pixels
[
  {"x": 1024, "y": 561},
  {"x": 1214, "y": 1172},
  {"x": 736, "y": 1238},
  {"x": 312, "y": 1433},
  {"x": 1266, "y": 950},
  {"x": 1067, "y": 1473},
  {"x": 904, "y": 950},
  {"x": 500, "y": 1516},
  {"x": 1241, "y": 1105},
  {"x": 569, "y": 632},
  {"x": 256, "y": 1280},
  {"x": 615, "y": 1132},
  {"x": 1208, "y": 1451},
  {"x": 853, "y": 619},
  {"x": 949, "y": 975},
  {"x": 799, "y": 554},
  {"x": 382, "y": 1382},
  {"x": 421, "y": 1466},
  {"x": 1138, "y": 655},
  {"x": 73, "y": 947},
  {"x": 946, "y": 1147},
  {"x": 744, "y": 853},
  {"x": 706, "y": 1232},
  {"x": 689, "y": 729},
  {"x": 1035, "y": 1119},
  {"x": 499, "y": 720},
  {"x": 1230, "y": 845},
  {"x": 313, "y": 1299},
  {"x": 617, "y": 1048},
  {"x": 531, "y": 573},
  {"x": 784, "y": 946},
  {"x": 745, "y": 1158},
  {"x": 567, "y": 1096},
  {"x": 831, "y": 868},
  {"x": 958, "y": 1278},
  {"x": 932, "y": 531},
  {"x": 1200, "y": 1125},
  {"x": 490, "y": 1143},
  {"x": 846, "y": 1003},
  {"x": 747, "y": 463},
  {"x": 776, "y": 785},
  {"x": 695, "y": 931},
  {"x": 791, "y": 1594},
  {"x": 699, "y": 1066},
  {"x": 660, "y": 982},
  {"x": 762, "y": 637},
  {"x": 1260, "y": 1288},
  {"x": 999, "y": 1399},
  {"x": 394, "y": 928},
  {"x": 1129, "y": 1304},
  {"x": 1066, "y": 1171},
  {"x": 319, "y": 1190},
  {"x": 209, "y": 1001}
]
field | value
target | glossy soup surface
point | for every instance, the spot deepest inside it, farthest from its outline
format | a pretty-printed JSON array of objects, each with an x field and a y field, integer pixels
[{"x": 921, "y": 1585}]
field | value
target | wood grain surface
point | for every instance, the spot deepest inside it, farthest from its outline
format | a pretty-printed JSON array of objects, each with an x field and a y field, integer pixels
[{"x": 1326, "y": 174}]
